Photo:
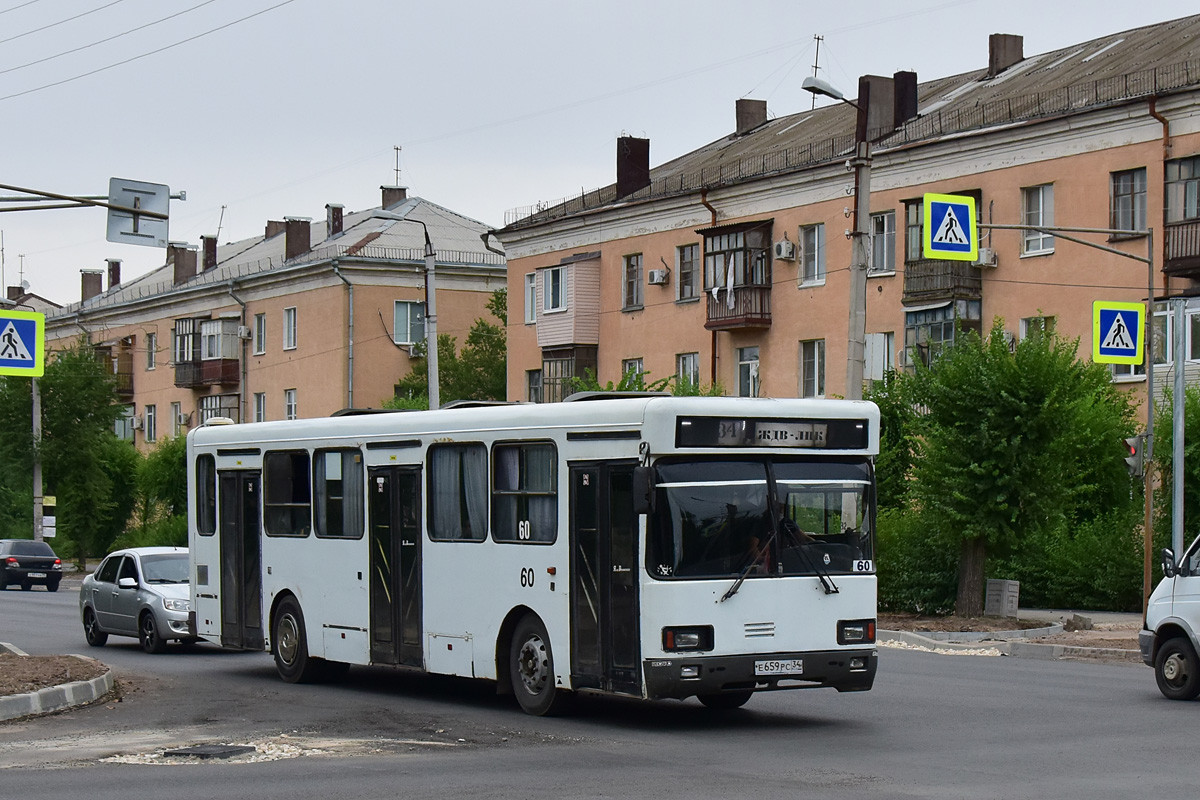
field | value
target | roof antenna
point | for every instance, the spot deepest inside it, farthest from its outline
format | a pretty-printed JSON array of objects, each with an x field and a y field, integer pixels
[
  {"x": 220, "y": 222},
  {"x": 816, "y": 61},
  {"x": 397, "y": 148}
]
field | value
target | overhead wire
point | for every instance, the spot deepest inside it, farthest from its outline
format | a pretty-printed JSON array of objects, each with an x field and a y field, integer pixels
[{"x": 60, "y": 22}]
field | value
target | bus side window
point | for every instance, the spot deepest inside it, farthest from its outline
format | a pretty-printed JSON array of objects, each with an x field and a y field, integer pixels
[
  {"x": 525, "y": 492},
  {"x": 206, "y": 495},
  {"x": 458, "y": 492},
  {"x": 338, "y": 493},
  {"x": 287, "y": 503}
]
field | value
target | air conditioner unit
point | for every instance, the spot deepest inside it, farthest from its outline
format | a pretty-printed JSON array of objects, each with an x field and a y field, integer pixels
[
  {"x": 785, "y": 250},
  {"x": 137, "y": 422},
  {"x": 244, "y": 332},
  {"x": 657, "y": 277},
  {"x": 987, "y": 257}
]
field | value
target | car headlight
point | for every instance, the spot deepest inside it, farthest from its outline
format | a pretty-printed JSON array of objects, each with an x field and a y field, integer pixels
[{"x": 171, "y": 604}]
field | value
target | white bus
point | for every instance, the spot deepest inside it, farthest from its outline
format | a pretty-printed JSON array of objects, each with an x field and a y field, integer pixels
[{"x": 646, "y": 546}]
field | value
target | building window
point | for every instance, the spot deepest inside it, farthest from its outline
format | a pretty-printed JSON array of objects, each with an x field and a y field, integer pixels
[
  {"x": 747, "y": 371},
  {"x": 687, "y": 270},
  {"x": 812, "y": 368},
  {"x": 1183, "y": 189},
  {"x": 883, "y": 242},
  {"x": 633, "y": 282},
  {"x": 533, "y": 385},
  {"x": 812, "y": 253},
  {"x": 687, "y": 369},
  {"x": 554, "y": 289},
  {"x": 219, "y": 405},
  {"x": 530, "y": 298},
  {"x": 458, "y": 492},
  {"x": 218, "y": 339},
  {"x": 1037, "y": 203},
  {"x": 338, "y": 493},
  {"x": 631, "y": 369},
  {"x": 878, "y": 358},
  {"x": 930, "y": 330},
  {"x": 185, "y": 346},
  {"x": 287, "y": 496},
  {"x": 409, "y": 322},
  {"x": 556, "y": 378},
  {"x": 177, "y": 421},
  {"x": 151, "y": 423},
  {"x": 524, "y": 493},
  {"x": 260, "y": 334},
  {"x": 151, "y": 350},
  {"x": 1129, "y": 200},
  {"x": 289, "y": 328},
  {"x": 289, "y": 404},
  {"x": 260, "y": 406},
  {"x": 123, "y": 427},
  {"x": 737, "y": 257},
  {"x": 914, "y": 219},
  {"x": 1035, "y": 326}
]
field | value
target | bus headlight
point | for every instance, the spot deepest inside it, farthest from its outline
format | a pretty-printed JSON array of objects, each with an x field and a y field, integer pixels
[
  {"x": 856, "y": 631},
  {"x": 690, "y": 638}
]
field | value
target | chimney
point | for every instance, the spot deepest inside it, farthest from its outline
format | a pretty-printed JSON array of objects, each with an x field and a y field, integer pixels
[
  {"x": 393, "y": 195},
  {"x": 14, "y": 293},
  {"x": 183, "y": 256},
  {"x": 299, "y": 240},
  {"x": 1004, "y": 50},
  {"x": 750, "y": 115},
  {"x": 92, "y": 283},
  {"x": 333, "y": 220},
  {"x": 274, "y": 228},
  {"x": 114, "y": 272},
  {"x": 209, "y": 245},
  {"x": 633, "y": 165}
]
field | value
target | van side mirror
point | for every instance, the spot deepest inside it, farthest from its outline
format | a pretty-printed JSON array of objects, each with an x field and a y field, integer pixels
[
  {"x": 643, "y": 490},
  {"x": 1168, "y": 563}
]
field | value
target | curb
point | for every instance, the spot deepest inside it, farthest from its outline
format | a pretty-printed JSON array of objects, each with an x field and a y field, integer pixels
[
  {"x": 1016, "y": 649},
  {"x": 53, "y": 698},
  {"x": 982, "y": 636}
]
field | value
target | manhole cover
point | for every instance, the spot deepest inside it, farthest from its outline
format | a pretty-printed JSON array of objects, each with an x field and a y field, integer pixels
[{"x": 211, "y": 751}]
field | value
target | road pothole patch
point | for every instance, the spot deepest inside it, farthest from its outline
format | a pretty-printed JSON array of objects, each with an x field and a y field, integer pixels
[{"x": 274, "y": 749}]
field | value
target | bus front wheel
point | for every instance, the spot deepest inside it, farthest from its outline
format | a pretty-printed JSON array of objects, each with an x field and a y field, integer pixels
[
  {"x": 726, "y": 701},
  {"x": 531, "y": 665},
  {"x": 289, "y": 644}
]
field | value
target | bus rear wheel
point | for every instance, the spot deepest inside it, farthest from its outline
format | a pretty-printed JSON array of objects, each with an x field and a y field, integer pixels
[
  {"x": 531, "y": 665},
  {"x": 726, "y": 701},
  {"x": 289, "y": 644}
]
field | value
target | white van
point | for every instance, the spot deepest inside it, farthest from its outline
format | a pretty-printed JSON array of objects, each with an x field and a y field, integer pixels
[{"x": 1169, "y": 640}]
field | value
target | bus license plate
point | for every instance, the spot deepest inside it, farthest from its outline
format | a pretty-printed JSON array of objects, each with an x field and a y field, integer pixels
[
  {"x": 791, "y": 666},
  {"x": 35, "y": 575}
]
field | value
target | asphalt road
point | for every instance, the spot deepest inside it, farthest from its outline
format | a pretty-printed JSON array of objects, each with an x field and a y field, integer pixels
[{"x": 934, "y": 726}]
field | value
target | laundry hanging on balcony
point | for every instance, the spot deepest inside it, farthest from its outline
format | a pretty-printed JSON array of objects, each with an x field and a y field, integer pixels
[{"x": 728, "y": 280}]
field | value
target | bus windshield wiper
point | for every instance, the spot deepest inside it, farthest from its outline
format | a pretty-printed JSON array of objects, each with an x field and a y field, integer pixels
[
  {"x": 802, "y": 547},
  {"x": 754, "y": 562}
]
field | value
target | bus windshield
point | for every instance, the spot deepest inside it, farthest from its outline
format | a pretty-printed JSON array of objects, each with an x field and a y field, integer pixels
[{"x": 718, "y": 519}]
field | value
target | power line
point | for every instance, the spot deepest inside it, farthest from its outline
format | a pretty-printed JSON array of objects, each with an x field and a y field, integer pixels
[
  {"x": 60, "y": 22},
  {"x": 151, "y": 53},
  {"x": 14, "y": 8},
  {"x": 103, "y": 41}
]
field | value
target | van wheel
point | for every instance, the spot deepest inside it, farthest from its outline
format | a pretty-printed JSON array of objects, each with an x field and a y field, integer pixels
[
  {"x": 1177, "y": 670},
  {"x": 289, "y": 644},
  {"x": 531, "y": 665}
]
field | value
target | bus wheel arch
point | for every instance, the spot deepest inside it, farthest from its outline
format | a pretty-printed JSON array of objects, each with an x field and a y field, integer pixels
[
  {"x": 532, "y": 671},
  {"x": 504, "y": 648},
  {"x": 289, "y": 642}
]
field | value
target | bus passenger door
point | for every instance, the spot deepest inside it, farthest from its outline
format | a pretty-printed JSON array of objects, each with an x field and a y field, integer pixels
[
  {"x": 604, "y": 570},
  {"x": 241, "y": 560},
  {"x": 395, "y": 565}
]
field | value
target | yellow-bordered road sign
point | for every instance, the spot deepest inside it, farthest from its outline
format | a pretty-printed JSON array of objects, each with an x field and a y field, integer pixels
[
  {"x": 1118, "y": 332},
  {"x": 951, "y": 232},
  {"x": 22, "y": 352}
]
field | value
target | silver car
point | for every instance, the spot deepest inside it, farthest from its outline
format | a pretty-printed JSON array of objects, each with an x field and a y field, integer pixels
[{"x": 142, "y": 592}]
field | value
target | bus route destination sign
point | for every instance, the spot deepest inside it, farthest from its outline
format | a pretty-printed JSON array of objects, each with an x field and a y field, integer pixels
[
  {"x": 849, "y": 434},
  {"x": 22, "y": 334}
]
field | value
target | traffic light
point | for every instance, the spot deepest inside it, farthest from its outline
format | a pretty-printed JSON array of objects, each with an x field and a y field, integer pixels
[{"x": 1133, "y": 458}]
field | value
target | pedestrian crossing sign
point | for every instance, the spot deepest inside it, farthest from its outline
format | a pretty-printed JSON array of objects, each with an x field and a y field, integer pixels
[
  {"x": 950, "y": 232},
  {"x": 1118, "y": 332},
  {"x": 21, "y": 350}
]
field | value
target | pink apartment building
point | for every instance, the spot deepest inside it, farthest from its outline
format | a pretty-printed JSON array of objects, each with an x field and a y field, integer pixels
[
  {"x": 309, "y": 318},
  {"x": 731, "y": 263}
]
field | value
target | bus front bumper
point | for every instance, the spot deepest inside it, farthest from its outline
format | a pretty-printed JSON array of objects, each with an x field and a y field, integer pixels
[{"x": 680, "y": 676}]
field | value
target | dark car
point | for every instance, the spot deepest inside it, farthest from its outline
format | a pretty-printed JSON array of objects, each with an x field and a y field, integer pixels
[{"x": 26, "y": 562}]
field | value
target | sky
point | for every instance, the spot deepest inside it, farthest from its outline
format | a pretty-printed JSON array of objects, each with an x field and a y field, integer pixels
[{"x": 261, "y": 109}]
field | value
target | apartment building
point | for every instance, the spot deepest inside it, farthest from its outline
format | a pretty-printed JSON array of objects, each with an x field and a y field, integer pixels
[
  {"x": 304, "y": 320},
  {"x": 730, "y": 263}
]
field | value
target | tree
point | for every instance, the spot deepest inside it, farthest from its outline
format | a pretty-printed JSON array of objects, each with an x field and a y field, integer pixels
[
  {"x": 898, "y": 418},
  {"x": 1014, "y": 442},
  {"x": 634, "y": 381},
  {"x": 1164, "y": 463}
]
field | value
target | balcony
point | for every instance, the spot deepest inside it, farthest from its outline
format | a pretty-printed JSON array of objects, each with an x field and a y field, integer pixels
[
  {"x": 1183, "y": 249},
  {"x": 120, "y": 358},
  {"x": 929, "y": 280},
  {"x": 751, "y": 308},
  {"x": 208, "y": 372}
]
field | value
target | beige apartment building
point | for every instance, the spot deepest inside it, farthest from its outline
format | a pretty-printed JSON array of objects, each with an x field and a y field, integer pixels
[
  {"x": 731, "y": 263},
  {"x": 305, "y": 320}
]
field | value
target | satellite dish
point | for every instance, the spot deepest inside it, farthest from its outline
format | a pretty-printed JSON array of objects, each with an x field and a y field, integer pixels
[{"x": 24, "y": 286}]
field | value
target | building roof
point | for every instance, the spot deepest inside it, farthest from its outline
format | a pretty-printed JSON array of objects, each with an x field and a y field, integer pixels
[
  {"x": 378, "y": 235},
  {"x": 1152, "y": 61}
]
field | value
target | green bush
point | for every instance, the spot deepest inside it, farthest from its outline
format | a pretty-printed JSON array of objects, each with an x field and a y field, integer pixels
[
  {"x": 163, "y": 532},
  {"x": 918, "y": 570}
]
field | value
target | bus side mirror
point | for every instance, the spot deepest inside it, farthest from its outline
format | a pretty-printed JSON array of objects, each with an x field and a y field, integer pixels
[
  {"x": 643, "y": 490},
  {"x": 1168, "y": 563}
]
